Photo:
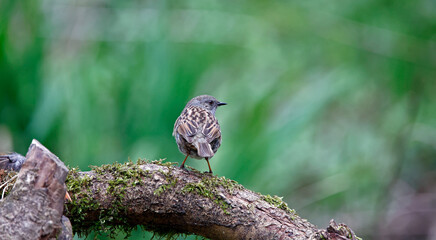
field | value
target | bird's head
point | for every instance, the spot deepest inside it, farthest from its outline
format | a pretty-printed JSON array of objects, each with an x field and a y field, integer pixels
[{"x": 205, "y": 101}]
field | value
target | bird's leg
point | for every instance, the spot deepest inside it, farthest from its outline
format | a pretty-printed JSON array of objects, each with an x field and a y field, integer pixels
[
  {"x": 183, "y": 163},
  {"x": 207, "y": 160},
  {"x": 67, "y": 197}
]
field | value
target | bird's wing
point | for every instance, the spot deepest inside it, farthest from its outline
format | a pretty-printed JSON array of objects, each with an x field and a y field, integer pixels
[
  {"x": 185, "y": 126},
  {"x": 211, "y": 129},
  {"x": 194, "y": 118}
]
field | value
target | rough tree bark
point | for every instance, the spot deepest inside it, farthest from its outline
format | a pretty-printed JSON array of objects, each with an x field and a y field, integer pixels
[
  {"x": 164, "y": 198},
  {"x": 157, "y": 196},
  {"x": 33, "y": 209}
]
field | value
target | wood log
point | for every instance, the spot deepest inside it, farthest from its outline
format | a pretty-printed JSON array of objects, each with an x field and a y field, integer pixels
[
  {"x": 163, "y": 198},
  {"x": 155, "y": 195},
  {"x": 34, "y": 207}
]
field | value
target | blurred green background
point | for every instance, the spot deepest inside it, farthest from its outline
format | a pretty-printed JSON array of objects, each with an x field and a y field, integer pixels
[{"x": 331, "y": 104}]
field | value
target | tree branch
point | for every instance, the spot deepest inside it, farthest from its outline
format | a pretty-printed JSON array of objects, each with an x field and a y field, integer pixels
[
  {"x": 163, "y": 198},
  {"x": 156, "y": 196}
]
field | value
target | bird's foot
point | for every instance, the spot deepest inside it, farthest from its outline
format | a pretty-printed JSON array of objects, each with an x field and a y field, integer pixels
[{"x": 183, "y": 167}]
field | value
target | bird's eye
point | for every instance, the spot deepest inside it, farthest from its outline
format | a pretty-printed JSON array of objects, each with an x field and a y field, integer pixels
[{"x": 210, "y": 102}]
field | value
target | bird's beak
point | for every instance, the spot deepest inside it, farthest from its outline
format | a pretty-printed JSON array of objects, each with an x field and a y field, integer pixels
[{"x": 222, "y": 103}]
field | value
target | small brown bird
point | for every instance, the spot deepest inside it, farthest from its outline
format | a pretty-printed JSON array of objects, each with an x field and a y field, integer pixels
[{"x": 197, "y": 131}]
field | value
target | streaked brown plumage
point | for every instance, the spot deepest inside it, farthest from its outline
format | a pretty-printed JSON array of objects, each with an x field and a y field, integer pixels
[{"x": 197, "y": 130}]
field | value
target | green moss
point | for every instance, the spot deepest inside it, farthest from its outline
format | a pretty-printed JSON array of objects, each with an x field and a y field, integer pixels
[
  {"x": 164, "y": 187},
  {"x": 166, "y": 164},
  {"x": 79, "y": 189},
  {"x": 277, "y": 202},
  {"x": 321, "y": 237},
  {"x": 172, "y": 181},
  {"x": 110, "y": 221},
  {"x": 208, "y": 187},
  {"x": 113, "y": 220}
]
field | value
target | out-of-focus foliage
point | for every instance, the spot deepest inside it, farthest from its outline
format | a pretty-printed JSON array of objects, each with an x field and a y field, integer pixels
[{"x": 331, "y": 104}]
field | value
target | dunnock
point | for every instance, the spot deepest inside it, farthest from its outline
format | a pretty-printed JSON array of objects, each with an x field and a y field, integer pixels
[{"x": 197, "y": 131}]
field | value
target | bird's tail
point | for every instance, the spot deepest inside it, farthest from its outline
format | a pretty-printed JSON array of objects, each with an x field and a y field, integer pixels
[{"x": 204, "y": 150}]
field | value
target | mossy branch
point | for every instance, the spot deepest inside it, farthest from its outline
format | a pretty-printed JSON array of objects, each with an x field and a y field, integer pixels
[{"x": 165, "y": 199}]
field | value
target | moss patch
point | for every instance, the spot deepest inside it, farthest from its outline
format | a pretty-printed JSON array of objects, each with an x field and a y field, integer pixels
[
  {"x": 172, "y": 181},
  {"x": 165, "y": 164},
  {"x": 112, "y": 221},
  {"x": 79, "y": 189},
  {"x": 277, "y": 202},
  {"x": 208, "y": 187}
]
